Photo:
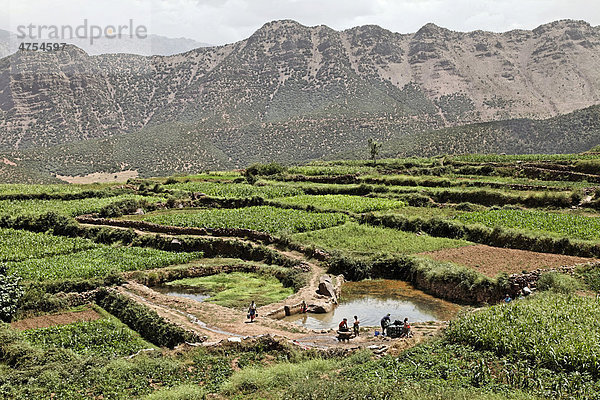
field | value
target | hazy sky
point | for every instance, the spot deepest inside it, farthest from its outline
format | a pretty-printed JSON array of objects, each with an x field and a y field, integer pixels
[{"x": 225, "y": 21}]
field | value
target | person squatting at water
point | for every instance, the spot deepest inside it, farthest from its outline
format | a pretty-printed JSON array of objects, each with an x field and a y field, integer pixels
[{"x": 343, "y": 327}]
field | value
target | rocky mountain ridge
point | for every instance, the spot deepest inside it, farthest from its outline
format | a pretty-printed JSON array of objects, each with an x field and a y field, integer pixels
[{"x": 290, "y": 85}]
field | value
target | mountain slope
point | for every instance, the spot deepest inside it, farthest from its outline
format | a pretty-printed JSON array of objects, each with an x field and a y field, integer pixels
[
  {"x": 575, "y": 132},
  {"x": 182, "y": 148},
  {"x": 287, "y": 70},
  {"x": 291, "y": 93}
]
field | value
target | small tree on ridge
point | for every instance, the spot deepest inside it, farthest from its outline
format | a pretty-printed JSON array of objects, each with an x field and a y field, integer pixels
[{"x": 374, "y": 147}]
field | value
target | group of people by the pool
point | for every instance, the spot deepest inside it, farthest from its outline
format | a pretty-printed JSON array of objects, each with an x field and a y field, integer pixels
[
  {"x": 343, "y": 326},
  {"x": 385, "y": 322}
]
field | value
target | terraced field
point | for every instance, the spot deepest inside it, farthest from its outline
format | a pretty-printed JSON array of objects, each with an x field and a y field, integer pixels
[
  {"x": 455, "y": 227},
  {"x": 263, "y": 218},
  {"x": 367, "y": 241},
  {"x": 355, "y": 204},
  {"x": 553, "y": 223},
  {"x": 233, "y": 190},
  {"x": 67, "y": 207},
  {"x": 105, "y": 338}
]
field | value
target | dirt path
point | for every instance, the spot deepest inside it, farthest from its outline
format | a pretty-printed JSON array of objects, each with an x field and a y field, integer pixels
[
  {"x": 45, "y": 321},
  {"x": 207, "y": 319}
]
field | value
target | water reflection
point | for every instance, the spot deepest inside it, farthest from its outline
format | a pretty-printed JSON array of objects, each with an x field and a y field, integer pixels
[
  {"x": 181, "y": 291},
  {"x": 370, "y": 300}
]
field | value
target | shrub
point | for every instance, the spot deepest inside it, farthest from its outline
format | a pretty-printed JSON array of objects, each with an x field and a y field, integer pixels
[
  {"x": 182, "y": 392},
  {"x": 466, "y": 206},
  {"x": 265, "y": 169},
  {"x": 557, "y": 282},
  {"x": 11, "y": 292},
  {"x": 119, "y": 208},
  {"x": 591, "y": 276}
]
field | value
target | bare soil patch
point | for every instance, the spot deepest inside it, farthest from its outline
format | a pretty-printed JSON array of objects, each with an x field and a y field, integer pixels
[
  {"x": 100, "y": 177},
  {"x": 492, "y": 260},
  {"x": 46, "y": 321}
]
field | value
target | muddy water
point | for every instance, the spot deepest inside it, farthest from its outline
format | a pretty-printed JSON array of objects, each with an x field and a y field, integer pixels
[
  {"x": 370, "y": 300},
  {"x": 180, "y": 291}
]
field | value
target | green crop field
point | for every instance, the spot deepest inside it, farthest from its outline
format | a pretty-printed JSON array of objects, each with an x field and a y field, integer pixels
[
  {"x": 96, "y": 262},
  {"x": 356, "y": 204},
  {"x": 364, "y": 240},
  {"x": 18, "y": 245},
  {"x": 482, "y": 158},
  {"x": 15, "y": 188},
  {"x": 66, "y": 207},
  {"x": 236, "y": 190},
  {"x": 554, "y": 331},
  {"x": 316, "y": 170},
  {"x": 106, "y": 338},
  {"x": 554, "y": 223},
  {"x": 263, "y": 218}
]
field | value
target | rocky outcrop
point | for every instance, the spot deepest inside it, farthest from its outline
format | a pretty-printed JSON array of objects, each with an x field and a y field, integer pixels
[
  {"x": 326, "y": 288},
  {"x": 529, "y": 279}
]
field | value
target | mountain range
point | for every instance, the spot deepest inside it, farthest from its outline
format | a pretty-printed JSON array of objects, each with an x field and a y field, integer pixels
[
  {"x": 292, "y": 93},
  {"x": 148, "y": 46}
]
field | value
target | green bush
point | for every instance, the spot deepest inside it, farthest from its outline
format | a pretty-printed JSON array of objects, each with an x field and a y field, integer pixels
[
  {"x": 590, "y": 274},
  {"x": 11, "y": 292},
  {"x": 181, "y": 392},
  {"x": 557, "y": 282},
  {"x": 265, "y": 169}
]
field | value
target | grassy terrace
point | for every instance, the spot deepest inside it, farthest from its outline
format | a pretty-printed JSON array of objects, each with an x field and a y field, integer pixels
[
  {"x": 262, "y": 218},
  {"x": 315, "y": 188},
  {"x": 553, "y": 331},
  {"x": 238, "y": 289},
  {"x": 97, "y": 262},
  {"x": 236, "y": 190},
  {"x": 106, "y": 338},
  {"x": 355, "y": 204},
  {"x": 368, "y": 241},
  {"x": 41, "y": 256},
  {"x": 67, "y": 207},
  {"x": 16, "y": 245},
  {"x": 38, "y": 189},
  {"x": 547, "y": 223}
]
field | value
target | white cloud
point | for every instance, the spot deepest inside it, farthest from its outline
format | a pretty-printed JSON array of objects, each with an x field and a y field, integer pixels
[{"x": 223, "y": 21}]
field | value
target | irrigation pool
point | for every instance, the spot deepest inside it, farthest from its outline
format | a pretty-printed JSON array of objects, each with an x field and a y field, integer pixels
[
  {"x": 181, "y": 291},
  {"x": 370, "y": 300}
]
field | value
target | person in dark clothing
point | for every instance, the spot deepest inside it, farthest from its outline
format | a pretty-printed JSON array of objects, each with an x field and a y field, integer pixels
[
  {"x": 303, "y": 307},
  {"x": 356, "y": 326},
  {"x": 252, "y": 311},
  {"x": 385, "y": 321}
]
